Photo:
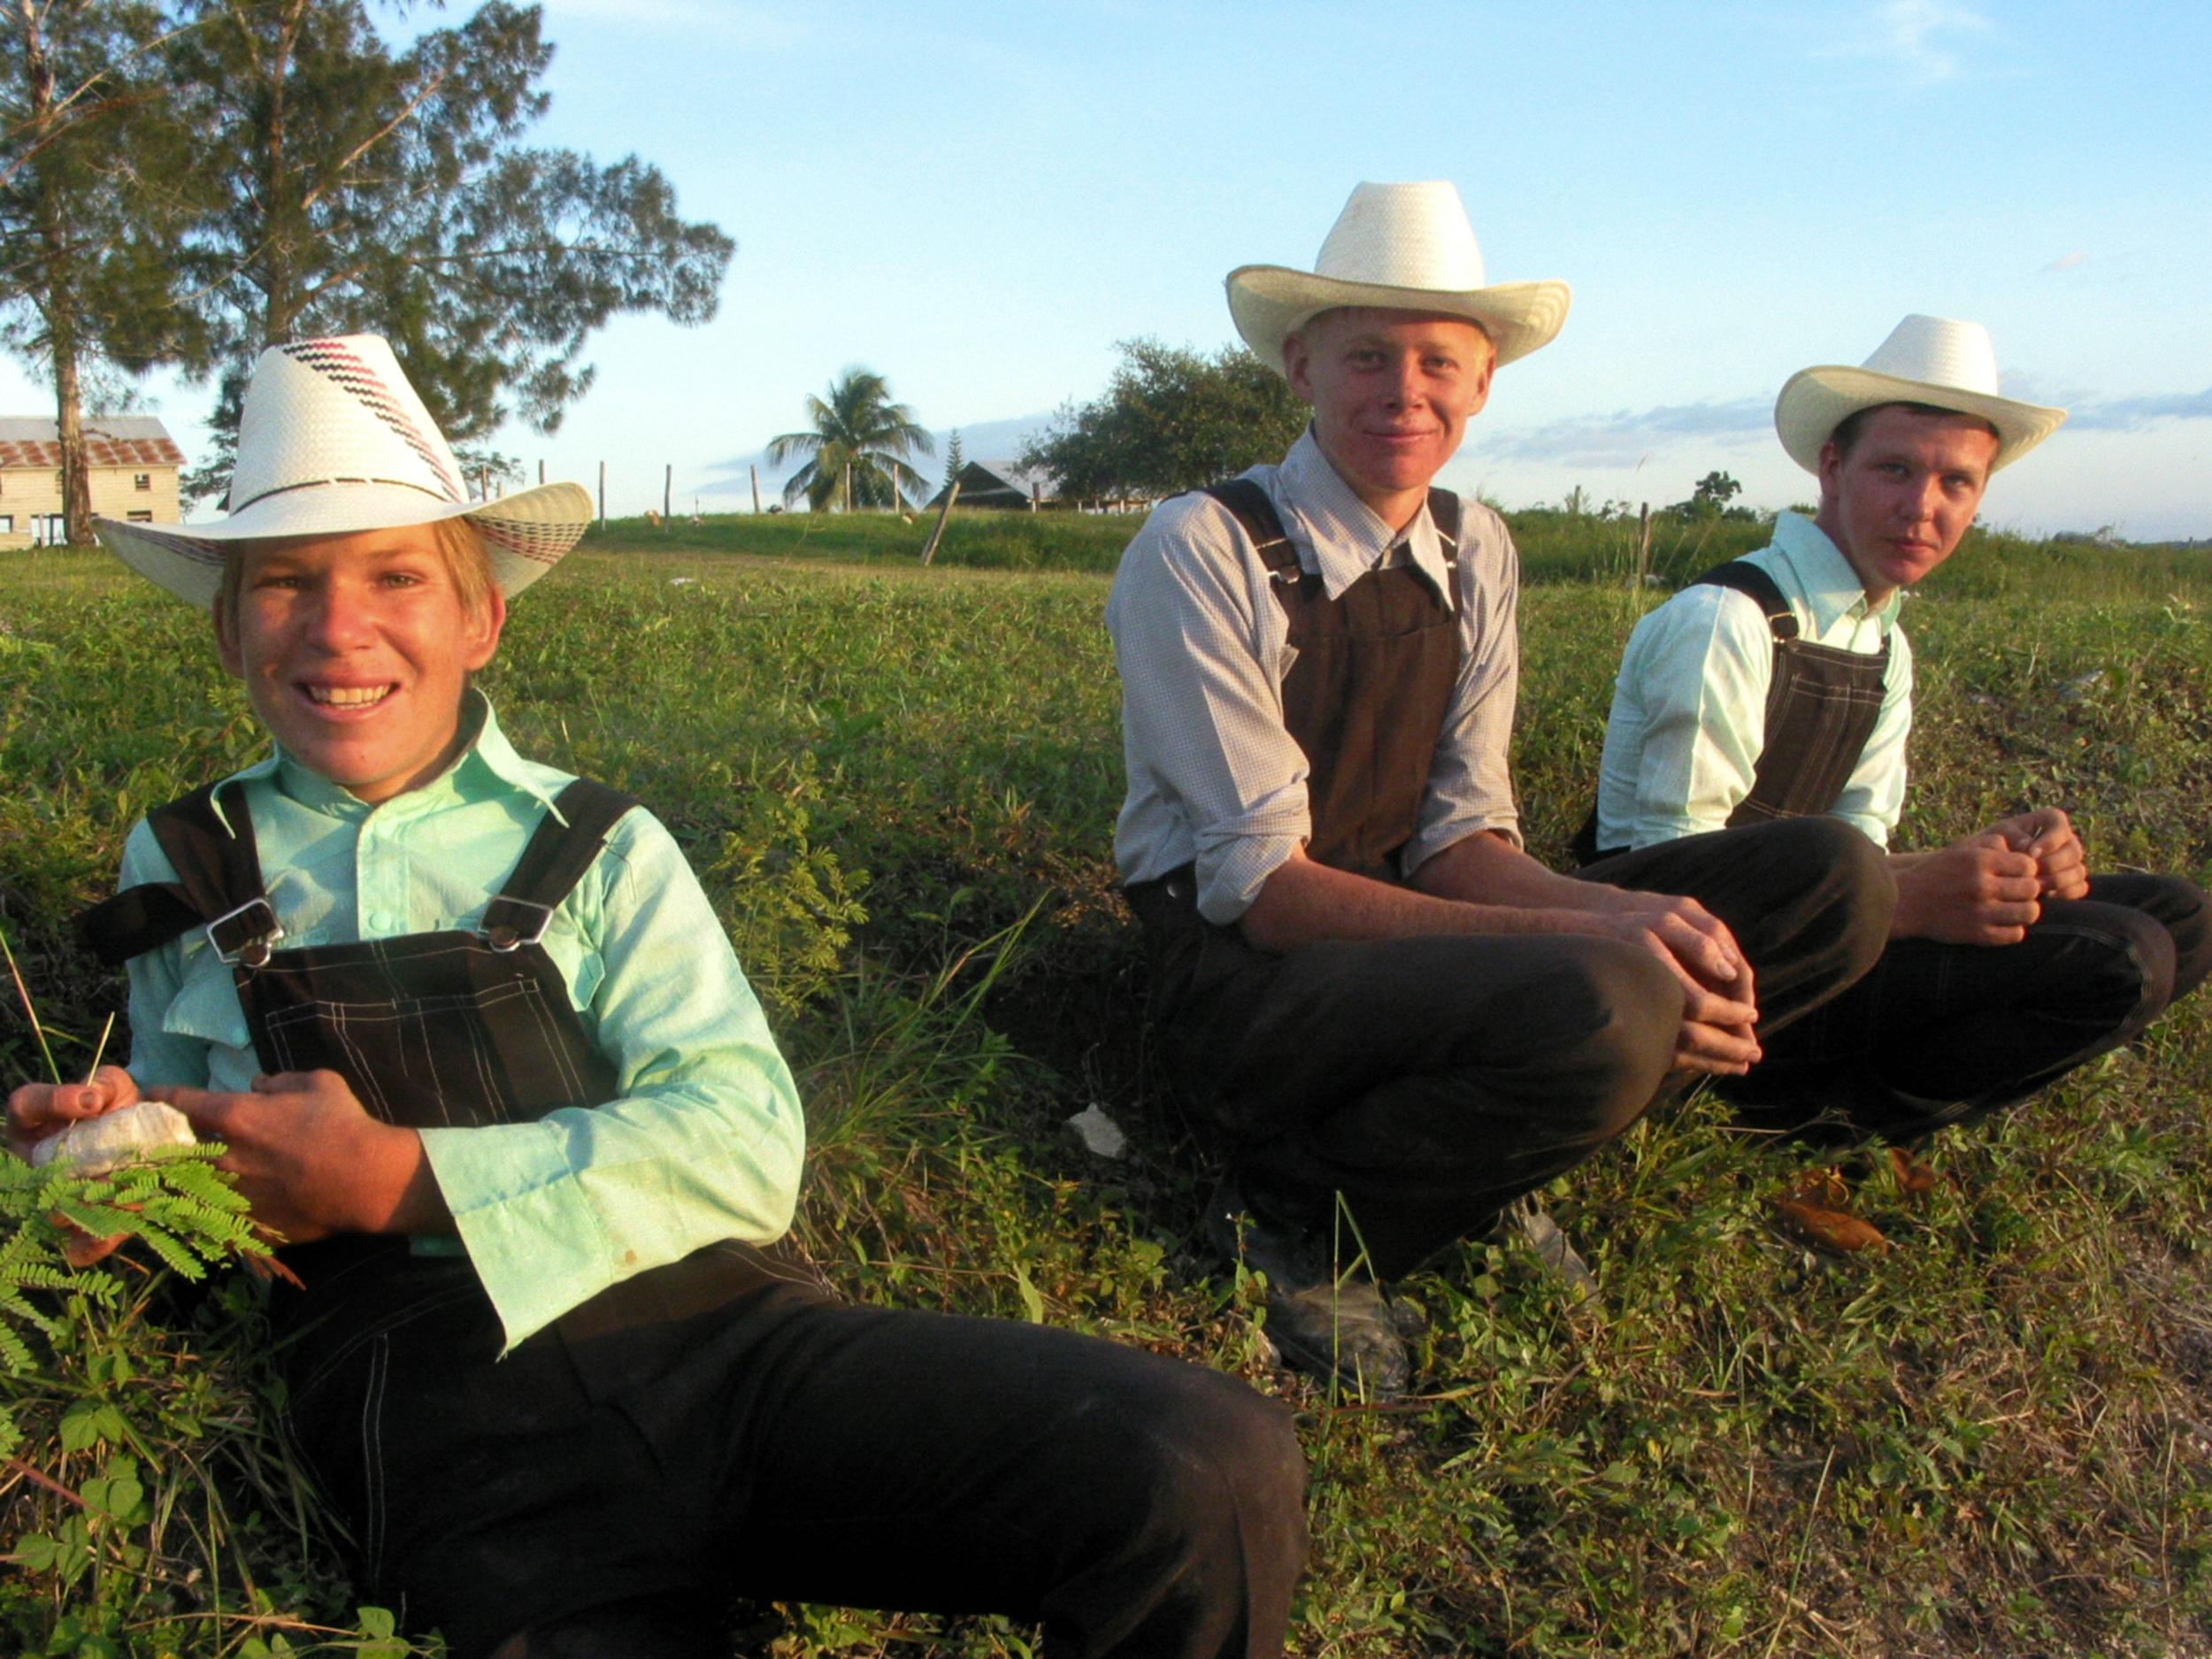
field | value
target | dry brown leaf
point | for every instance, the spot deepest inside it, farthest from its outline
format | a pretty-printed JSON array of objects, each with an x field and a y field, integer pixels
[{"x": 1826, "y": 1229}]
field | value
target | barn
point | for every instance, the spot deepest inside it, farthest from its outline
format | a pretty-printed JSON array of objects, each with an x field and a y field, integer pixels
[{"x": 1002, "y": 484}]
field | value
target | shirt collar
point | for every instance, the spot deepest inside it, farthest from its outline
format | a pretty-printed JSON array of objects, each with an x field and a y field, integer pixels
[
  {"x": 487, "y": 763},
  {"x": 1832, "y": 589},
  {"x": 1339, "y": 536}
]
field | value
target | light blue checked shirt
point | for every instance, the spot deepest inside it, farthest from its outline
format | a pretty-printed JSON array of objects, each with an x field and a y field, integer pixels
[
  {"x": 1690, "y": 708},
  {"x": 706, "y": 1140}
]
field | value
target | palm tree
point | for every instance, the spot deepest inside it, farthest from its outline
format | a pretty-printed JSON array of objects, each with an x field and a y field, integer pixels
[{"x": 858, "y": 434}]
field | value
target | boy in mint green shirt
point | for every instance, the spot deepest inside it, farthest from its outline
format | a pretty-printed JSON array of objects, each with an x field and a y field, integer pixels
[{"x": 478, "y": 1050}]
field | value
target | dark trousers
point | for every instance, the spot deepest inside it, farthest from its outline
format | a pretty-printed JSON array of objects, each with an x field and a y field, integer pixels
[
  {"x": 1938, "y": 1033},
  {"x": 576, "y": 1498},
  {"x": 1430, "y": 1081}
]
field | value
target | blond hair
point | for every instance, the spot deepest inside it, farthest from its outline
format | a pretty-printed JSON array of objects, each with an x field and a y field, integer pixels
[{"x": 461, "y": 548}]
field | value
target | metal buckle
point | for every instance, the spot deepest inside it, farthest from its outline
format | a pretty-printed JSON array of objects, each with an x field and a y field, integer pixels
[
  {"x": 254, "y": 950},
  {"x": 504, "y": 939}
]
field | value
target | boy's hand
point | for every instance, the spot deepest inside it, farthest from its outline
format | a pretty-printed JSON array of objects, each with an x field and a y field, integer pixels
[
  {"x": 2048, "y": 837},
  {"x": 312, "y": 1162},
  {"x": 1980, "y": 891},
  {"x": 39, "y": 1110}
]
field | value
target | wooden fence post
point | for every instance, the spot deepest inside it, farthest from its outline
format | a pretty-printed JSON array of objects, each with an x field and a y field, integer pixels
[
  {"x": 1643, "y": 546},
  {"x": 952, "y": 494},
  {"x": 755, "y": 470},
  {"x": 603, "y": 495},
  {"x": 668, "y": 482}
]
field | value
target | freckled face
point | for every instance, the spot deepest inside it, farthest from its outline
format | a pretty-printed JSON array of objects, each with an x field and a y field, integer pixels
[
  {"x": 1898, "y": 506},
  {"x": 1392, "y": 394},
  {"x": 356, "y": 651}
]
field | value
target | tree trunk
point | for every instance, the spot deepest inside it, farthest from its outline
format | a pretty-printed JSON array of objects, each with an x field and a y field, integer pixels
[
  {"x": 58, "y": 301},
  {"x": 76, "y": 478}
]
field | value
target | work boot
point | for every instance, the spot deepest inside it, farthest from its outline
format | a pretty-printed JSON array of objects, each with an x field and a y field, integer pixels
[
  {"x": 1336, "y": 1326},
  {"x": 1524, "y": 1219}
]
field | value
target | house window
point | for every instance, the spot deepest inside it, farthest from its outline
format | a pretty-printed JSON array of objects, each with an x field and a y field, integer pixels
[
  {"x": 141, "y": 480},
  {"x": 7, "y": 524},
  {"x": 142, "y": 515}
]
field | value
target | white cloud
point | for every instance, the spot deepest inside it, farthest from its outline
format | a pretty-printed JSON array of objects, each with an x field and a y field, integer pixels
[
  {"x": 2068, "y": 261},
  {"x": 1920, "y": 36}
]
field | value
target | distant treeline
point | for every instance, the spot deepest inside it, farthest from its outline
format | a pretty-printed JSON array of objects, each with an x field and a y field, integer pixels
[{"x": 1556, "y": 546}]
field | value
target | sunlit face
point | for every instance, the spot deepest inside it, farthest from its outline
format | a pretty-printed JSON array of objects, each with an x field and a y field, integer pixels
[
  {"x": 1392, "y": 394},
  {"x": 357, "y": 650},
  {"x": 1899, "y": 504}
]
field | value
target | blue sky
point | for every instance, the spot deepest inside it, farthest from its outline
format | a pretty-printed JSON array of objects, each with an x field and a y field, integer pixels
[{"x": 978, "y": 201}]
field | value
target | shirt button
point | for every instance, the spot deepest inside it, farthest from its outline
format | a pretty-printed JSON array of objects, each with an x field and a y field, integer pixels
[{"x": 381, "y": 921}]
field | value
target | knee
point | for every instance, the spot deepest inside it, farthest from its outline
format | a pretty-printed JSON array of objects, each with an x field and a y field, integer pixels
[
  {"x": 1846, "y": 874},
  {"x": 1628, "y": 1042},
  {"x": 1227, "y": 1471}
]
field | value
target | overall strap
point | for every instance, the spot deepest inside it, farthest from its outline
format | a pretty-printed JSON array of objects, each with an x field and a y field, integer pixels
[
  {"x": 1747, "y": 578},
  {"x": 1444, "y": 513},
  {"x": 1250, "y": 506},
  {"x": 218, "y": 885},
  {"x": 566, "y": 843}
]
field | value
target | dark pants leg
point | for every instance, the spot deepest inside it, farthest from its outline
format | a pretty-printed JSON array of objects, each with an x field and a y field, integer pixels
[
  {"x": 611, "y": 1495},
  {"x": 1130, "y": 1504},
  {"x": 1940, "y": 1033},
  {"x": 1809, "y": 899},
  {"x": 1428, "y": 1081}
]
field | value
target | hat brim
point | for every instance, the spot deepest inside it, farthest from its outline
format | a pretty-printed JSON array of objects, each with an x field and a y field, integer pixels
[
  {"x": 1816, "y": 401},
  {"x": 1270, "y": 303},
  {"x": 526, "y": 533}
]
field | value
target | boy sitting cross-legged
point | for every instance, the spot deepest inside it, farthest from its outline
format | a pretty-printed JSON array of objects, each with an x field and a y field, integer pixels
[{"x": 480, "y": 1050}]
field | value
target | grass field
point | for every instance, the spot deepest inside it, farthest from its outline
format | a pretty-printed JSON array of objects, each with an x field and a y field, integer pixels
[{"x": 899, "y": 787}]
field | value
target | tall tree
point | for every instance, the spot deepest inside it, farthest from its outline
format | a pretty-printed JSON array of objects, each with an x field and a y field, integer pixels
[
  {"x": 956, "y": 458},
  {"x": 1170, "y": 419},
  {"x": 95, "y": 186},
  {"x": 369, "y": 188},
  {"x": 858, "y": 435}
]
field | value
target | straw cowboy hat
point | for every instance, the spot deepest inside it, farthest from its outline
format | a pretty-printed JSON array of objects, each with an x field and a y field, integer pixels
[
  {"x": 1935, "y": 360},
  {"x": 1404, "y": 246},
  {"x": 332, "y": 440}
]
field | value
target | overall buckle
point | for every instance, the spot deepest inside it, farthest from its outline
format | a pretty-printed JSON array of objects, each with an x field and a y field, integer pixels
[
  {"x": 503, "y": 937},
  {"x": 246, "y": 933}
]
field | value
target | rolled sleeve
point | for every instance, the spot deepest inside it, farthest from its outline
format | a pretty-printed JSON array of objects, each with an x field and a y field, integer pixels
[
  {"x": 1216, "y": 779},
  {"x": 1470, "y": 784},
  {"x": 704, "y": 1142}
]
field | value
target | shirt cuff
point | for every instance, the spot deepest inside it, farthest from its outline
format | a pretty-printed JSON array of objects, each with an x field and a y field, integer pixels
[
  {"x": 1232, "y": 874},
  {"x": 1429, "y": 842},
  {"x": 531, "y": 1235}
]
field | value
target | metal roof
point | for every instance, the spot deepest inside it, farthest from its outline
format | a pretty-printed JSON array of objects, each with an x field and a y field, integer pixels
[{"x": 33, "y": 440}]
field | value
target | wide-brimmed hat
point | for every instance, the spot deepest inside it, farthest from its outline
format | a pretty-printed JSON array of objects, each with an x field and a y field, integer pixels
[
  {"x": 1935, "y": 360},
  {"x": 1403, "y": 247},
  {"x": 332, "y": 440}
]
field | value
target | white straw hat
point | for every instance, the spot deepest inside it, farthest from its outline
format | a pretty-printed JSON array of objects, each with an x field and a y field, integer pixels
[
  {"x": 332, "y": 440},
  {"x": 1403, "y": 247},
  {"x": 1936, "y": 360}
]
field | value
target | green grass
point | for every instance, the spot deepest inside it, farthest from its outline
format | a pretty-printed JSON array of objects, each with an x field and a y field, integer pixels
[{"x": 1990, "y": 1441}]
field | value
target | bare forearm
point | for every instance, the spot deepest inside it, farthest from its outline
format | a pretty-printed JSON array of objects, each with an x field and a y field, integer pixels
[
  {"x": 1303, "y": 901},
  {"x": 1489, "y": 870}
]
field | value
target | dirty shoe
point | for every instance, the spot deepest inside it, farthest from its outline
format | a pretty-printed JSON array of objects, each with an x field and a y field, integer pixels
[{"x": 1336, "y": 1326}]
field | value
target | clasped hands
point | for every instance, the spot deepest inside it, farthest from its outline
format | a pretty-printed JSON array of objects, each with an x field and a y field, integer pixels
[
  {"x": 1989, "y": 888},
  {"x": 308, "y": 1156},
  {"x": 1719, "y": 1004}
]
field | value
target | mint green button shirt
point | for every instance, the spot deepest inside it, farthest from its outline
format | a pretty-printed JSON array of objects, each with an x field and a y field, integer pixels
[
  {"x": 704, "y": 1142},
  {"x": 1690, "y": 707}
]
